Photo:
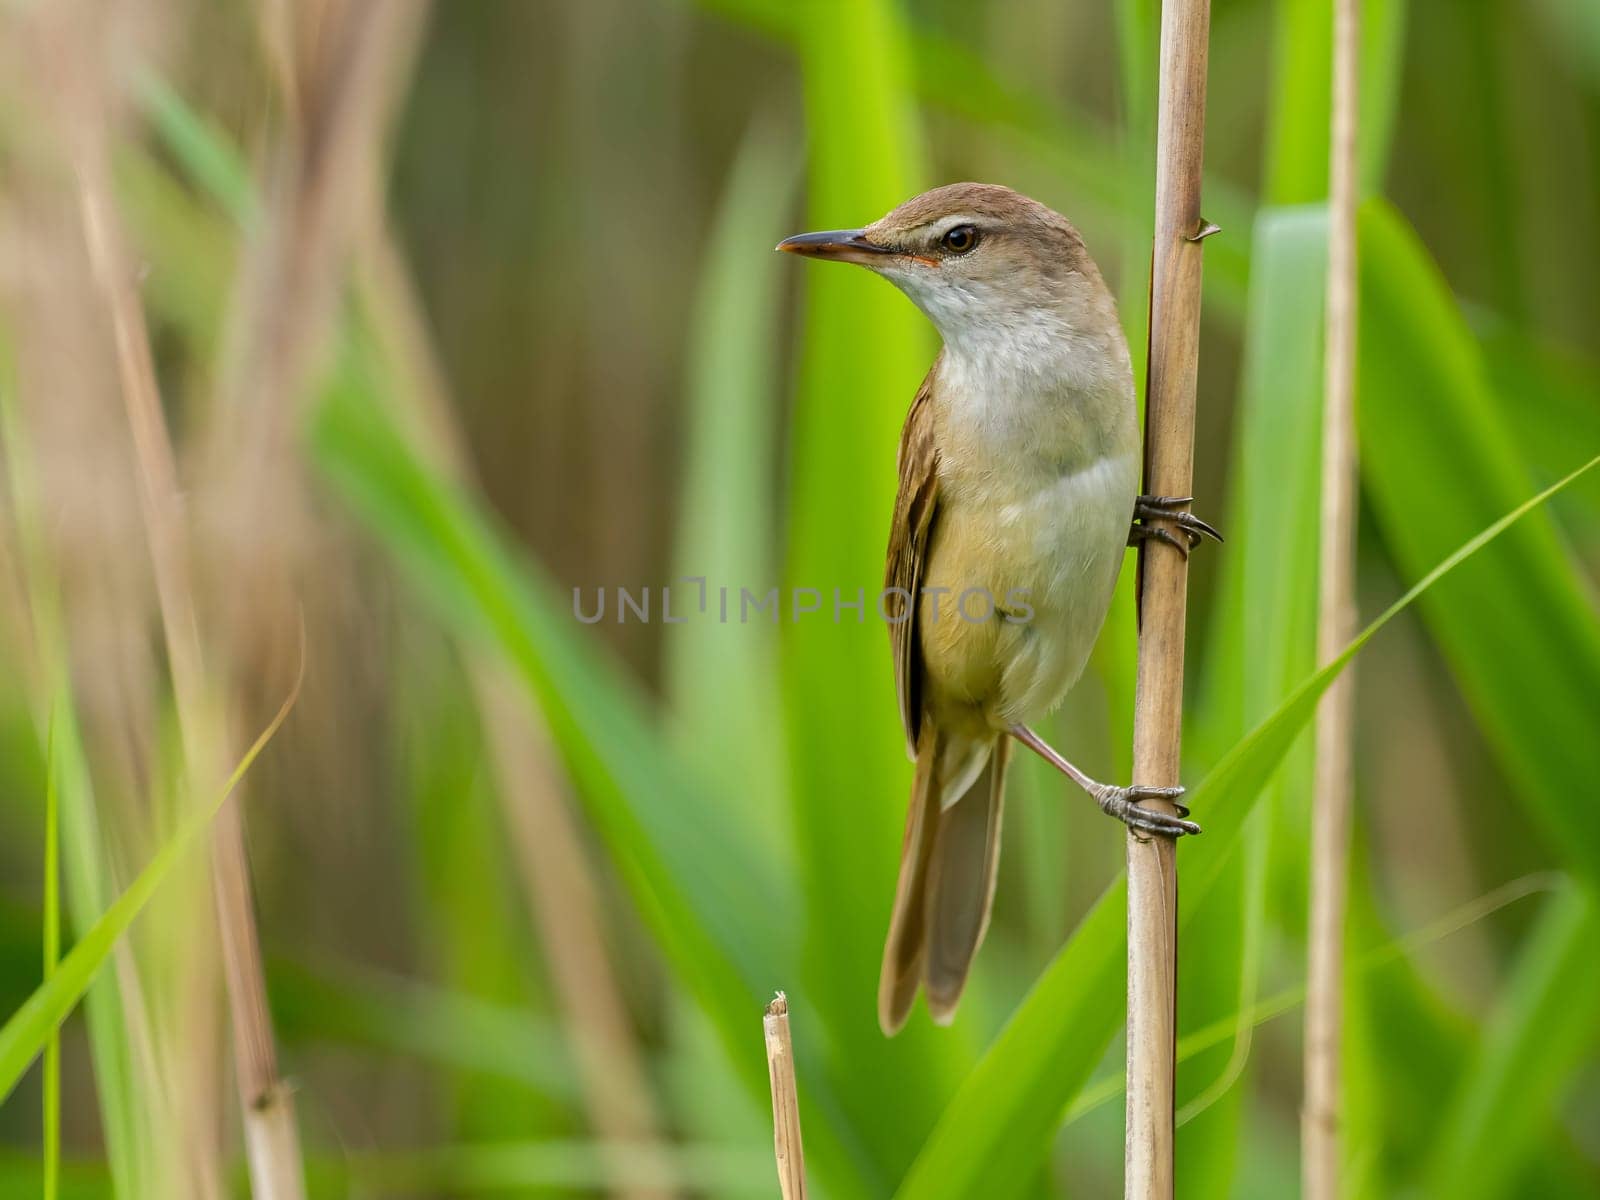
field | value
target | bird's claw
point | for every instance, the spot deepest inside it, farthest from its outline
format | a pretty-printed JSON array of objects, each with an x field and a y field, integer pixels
[
  {"x": 1122, "y": 803},
  {"x": 1169, "y": 508}
]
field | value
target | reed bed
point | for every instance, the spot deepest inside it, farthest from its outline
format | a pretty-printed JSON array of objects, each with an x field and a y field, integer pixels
[{"x": 430, "y": 314}]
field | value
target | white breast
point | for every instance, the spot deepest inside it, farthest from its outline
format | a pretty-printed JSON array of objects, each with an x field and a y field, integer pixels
[{"x": 1076, "y": 536}]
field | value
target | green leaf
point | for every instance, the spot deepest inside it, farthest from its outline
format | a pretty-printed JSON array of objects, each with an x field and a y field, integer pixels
[
  {"x": 715, "y": 908},
  {"x": 206, "y": 153},
  {"x": 1536, "y": 1041},
  {"x": 1074, "y": 149},
  {"x": 113, "y": 1028},
  {"x": 1368, "y": 962},
  {"x": 1261, "y": 643},
  {"x": 723, "y": 710},
  {"x": 1545, "y": 395},
  {"x": 1517, "y": 626},
  {"x": 30, "y": 1028},
  {"x": 864, "y": 351},
  {"x": 52, "y": 952},
  {"x": 1297, "y": 140},
  {"x": 997, "y": 1129},
  {"x": 453, "y": 1029},
  {"x": 471, "y": 916},
  {"x": 1263, "y": 633}
]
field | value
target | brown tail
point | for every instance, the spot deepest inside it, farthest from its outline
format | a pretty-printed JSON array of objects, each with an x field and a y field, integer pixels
[{"x": 947, "y": 875}]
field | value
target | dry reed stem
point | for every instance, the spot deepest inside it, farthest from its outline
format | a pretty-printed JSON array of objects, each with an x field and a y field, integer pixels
[
  {"x": 274, "y": 348},
  {"x": 1158, "y": 712},
  {"x": 287, "y": 305},
  {"x": 786, "y": 1143},
  {"x": 271, "y": 1139},
  {"x": 80, "y": 553},
  {"x": 552, "y": 862},
  {"x": 352, "y": 57},
  {"x": 1336, "y": 624}
]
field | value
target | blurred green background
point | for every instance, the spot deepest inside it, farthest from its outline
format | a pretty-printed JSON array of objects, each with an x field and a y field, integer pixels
[{"x": 455, "y": 310}]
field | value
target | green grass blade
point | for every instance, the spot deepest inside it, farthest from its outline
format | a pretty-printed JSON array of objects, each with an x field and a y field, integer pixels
[
  {"x": 1545, "y": 395},
  {"x": 206, "y": 153},
  {"x": 561, "y": 1168},
  {"x": 1297, "y": 139},
  {"x": 471, "y": 918},
  {"x": 864, "y": 351},
  {"x": 1074, "y": 150},
  {"x": 1536, "y": 1041},
  {"x": 718, "y": 677},
  {"x": 52, "y": 952},
  {"x": 1263, "y": 633},
  {"x": 463, "y": 1033},
  {"x": 125, "y": 1115},
  {"x": 1260, "y": 644},
  {"x": 997, "y": 1129},
  {"x": 718, "y": 913},
  {"x": 1252, "y": 761},
  {"x": 718, "y": 907},
  {"x": 1517, "y": 626},
  {"x": 124, "y": 1118},
  {"x": 29, "y": 1029},
  {"x": 1404, "y": 1046},
  {"x": 1262, "y": 1010}
]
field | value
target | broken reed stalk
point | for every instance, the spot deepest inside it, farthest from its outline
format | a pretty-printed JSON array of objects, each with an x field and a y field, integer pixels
[
  {"x": 1336, "y": 624},
  {"x": 1158, "y": 708},
  {"x": 785, "y": 1101}
]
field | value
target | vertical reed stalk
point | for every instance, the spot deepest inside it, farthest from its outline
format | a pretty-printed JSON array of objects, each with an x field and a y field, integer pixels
[
  {"x": 271, "y": 1139},
  {"x": 52, "y": 952},
  {"x": 1158, "y": 710},
  {"x": 1336, "y": 622}
]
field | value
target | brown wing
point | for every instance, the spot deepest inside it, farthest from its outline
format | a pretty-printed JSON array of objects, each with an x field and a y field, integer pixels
[{"x": 914, "y": 509}]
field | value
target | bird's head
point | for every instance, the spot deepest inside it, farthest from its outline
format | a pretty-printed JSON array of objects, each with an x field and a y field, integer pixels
[{"x": 982, "y": 261}]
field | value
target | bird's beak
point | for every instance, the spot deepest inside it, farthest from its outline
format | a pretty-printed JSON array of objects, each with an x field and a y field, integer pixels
[{"x": 840, "y": 245}]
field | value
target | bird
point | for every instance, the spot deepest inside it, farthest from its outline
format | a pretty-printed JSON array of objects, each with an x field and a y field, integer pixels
[{"x": 1019, "y": 469}]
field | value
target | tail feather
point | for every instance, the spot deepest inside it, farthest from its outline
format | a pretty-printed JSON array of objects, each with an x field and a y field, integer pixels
[
  {"x": 903, "y": 951},
  {"x": 947, "y": 876},
  {"x": 960, "y": 887}
]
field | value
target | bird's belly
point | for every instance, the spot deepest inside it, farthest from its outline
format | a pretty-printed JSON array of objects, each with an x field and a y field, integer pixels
[{"x": 1048, "y": 556}]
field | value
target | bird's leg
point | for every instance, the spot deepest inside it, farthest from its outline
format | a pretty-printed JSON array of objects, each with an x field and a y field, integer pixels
[
  {"x": 1169, "y": 508},
  {"x": 1119, "y": 802}
]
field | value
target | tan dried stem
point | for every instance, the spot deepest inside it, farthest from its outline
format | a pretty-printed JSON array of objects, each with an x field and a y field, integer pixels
[
  {"x": 786, "y": 1143},
  {"x": 82, "y": 576},
  {"x": 289, "y": 296},
  {"x": 1158, "y": 712},
  {"x": 271, "y": 1139},
  {"x": 1336, "y": 625},
  {"x": 351, "y": 58}
]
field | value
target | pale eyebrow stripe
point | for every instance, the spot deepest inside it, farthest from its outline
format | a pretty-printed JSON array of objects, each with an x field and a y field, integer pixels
[{"x": 945, "y": 224}]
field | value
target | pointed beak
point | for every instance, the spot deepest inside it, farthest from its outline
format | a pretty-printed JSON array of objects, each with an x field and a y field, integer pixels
[{"x": 840, "y": 245}]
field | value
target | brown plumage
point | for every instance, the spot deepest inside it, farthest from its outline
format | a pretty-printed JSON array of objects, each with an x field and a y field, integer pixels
[{"x": 1018, "y": 468}]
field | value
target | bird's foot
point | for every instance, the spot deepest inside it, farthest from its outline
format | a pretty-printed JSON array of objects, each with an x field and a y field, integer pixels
[
  {"x": 1122, "y": 803},
  {"x": 1169, "y": 508}
]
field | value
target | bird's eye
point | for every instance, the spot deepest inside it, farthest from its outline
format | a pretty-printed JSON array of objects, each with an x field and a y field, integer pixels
[{"x": 960, "y": 239}]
